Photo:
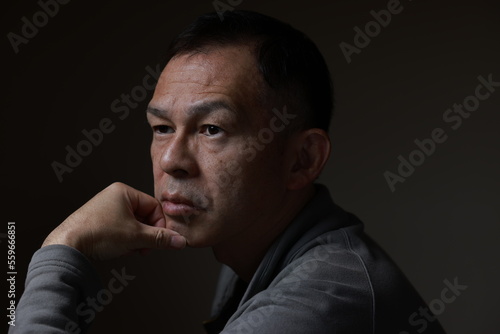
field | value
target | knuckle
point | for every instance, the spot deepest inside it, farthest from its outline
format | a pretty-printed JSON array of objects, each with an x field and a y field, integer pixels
[{"x": 116, "y": 185}]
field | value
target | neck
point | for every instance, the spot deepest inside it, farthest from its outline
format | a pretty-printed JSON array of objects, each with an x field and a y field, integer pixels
[{"x": 244, "y": 253}]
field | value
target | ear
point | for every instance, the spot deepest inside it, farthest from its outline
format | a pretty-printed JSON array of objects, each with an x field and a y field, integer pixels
[{"x": 311, "y": 151}]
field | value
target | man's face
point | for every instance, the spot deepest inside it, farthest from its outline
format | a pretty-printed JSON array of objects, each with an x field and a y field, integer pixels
[{"x": 219, "y": 167}]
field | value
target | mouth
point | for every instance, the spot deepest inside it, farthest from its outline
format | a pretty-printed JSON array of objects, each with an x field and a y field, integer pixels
[{"x": 174, "y": 205}]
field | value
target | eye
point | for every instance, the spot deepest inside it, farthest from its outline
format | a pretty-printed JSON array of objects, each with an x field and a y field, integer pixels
[
  {"x": 211, "y": 130},
  {"x": 162, "y": 129}
]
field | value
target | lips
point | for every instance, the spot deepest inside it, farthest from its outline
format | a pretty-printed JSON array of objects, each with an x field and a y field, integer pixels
[{"x": 175, "y": 205}]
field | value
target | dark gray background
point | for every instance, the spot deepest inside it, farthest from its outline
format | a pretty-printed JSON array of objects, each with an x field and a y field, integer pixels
[{"x": 441, "y": 223}]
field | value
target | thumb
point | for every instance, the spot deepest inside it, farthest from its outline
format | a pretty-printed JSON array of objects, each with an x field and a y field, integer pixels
[{"x": 159, "y": 238}]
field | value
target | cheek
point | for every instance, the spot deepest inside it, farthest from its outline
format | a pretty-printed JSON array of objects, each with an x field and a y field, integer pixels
[
  {"x": 227, "y": 171},
  {"x": 157, "y": 151},
  {"x": 153, "y": 154},
  {"x": 245, "y": 173}
]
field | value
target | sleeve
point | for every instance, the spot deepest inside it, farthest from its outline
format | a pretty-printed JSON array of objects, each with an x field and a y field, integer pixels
[{"x": 59, "y": 282}]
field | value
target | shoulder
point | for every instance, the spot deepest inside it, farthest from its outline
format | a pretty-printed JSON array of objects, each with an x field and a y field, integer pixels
[{"x": 324, "y": 288}]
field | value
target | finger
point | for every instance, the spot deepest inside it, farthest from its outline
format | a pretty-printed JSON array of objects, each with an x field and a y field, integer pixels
[
  {"x": 146, "y": 208},
  {"x": 158, "y": 238}
]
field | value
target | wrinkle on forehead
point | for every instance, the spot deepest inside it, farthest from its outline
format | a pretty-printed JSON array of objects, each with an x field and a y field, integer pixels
[{"x": 230, "y": 71}]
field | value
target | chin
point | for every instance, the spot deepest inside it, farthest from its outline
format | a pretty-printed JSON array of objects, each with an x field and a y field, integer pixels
[
  {"x": 193, "y": 243},
  {"x": 196, "y": 236},
  {"x": 197, "y": 239}
]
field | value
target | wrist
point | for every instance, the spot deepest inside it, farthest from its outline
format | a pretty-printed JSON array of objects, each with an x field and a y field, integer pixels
[{"x": 65, "y": 238}]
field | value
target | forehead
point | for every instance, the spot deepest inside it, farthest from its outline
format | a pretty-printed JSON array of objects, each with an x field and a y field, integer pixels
[{"x": 227, "y": 73}]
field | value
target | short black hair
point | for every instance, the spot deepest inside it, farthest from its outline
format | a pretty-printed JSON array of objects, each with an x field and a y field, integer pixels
[{"x": 288, "y": 60}]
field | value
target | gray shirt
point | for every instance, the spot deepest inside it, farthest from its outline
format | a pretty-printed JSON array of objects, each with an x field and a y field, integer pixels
[{"x": 322, "y": 275}]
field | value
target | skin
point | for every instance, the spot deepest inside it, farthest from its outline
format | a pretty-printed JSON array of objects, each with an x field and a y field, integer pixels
[{"x": 211, "y": 187}]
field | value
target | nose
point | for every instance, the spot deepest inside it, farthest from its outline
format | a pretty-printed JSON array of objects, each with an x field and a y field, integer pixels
[{"x": 178, "y": 158}]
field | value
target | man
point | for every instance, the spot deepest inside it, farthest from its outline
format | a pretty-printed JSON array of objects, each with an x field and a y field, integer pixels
[{"x": 240, "y": 133}]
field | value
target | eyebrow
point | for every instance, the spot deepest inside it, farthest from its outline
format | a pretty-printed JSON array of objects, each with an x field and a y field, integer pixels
[{"x": 200, "y": 108}]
